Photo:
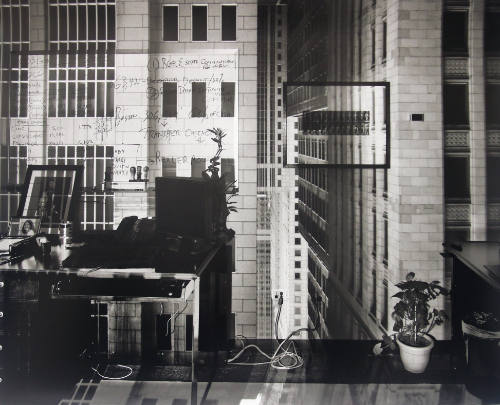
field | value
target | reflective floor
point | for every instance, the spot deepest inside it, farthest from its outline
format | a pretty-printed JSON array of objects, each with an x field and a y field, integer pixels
[{"x": 219, "y": 393}]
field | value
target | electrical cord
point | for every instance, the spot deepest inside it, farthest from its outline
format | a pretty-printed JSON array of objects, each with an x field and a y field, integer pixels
[
  {"x": 114, "y": 378},
  {"x": 85, "y": 355},
  {"x": 276, "y": 360},
  {"x": 175, "y": 316}
]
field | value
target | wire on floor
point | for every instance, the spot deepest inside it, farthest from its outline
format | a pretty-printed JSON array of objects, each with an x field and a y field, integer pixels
[
  {"x": 284, "y": 357},
  {"x": 129, "y": 373}
]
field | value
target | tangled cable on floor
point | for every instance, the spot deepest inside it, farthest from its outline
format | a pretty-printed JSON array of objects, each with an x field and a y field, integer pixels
[
  {"x": 283, "y": 358},
  {"x": 114, "y": 378}
]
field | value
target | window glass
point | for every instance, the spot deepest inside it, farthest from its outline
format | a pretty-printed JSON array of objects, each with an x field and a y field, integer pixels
[
  {"x": 170, "y": 23},
  {"x": 456, "y": 104},
  {"x": 199, "y": 23},
  {"x": 169, "y": 99},
  {"x": 228, "y": 23},
  {"x": 455, "y": 29},
  {"x": 199, "y": 99},
  {"x": 492, "y": 32},
  {"x": 227, "y": 99},
  {"x": 456, "y": 178}
]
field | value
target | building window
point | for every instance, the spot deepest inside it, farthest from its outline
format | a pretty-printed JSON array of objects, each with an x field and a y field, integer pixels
[
  {"x": 170, "y": 23},
  {"x": 199, "y": 23},
  {"x": 297, "y": 265},
  {"x": 493, "y": 185},
  {"x": 492, "y": 32},
  {"x": 385, "y": 307},
  {"x": 373, "y": 306},
  {"x": 14, "y": 46},
  {"x": 456, "y": 104},
  {"x": 227, "y": 99},
  {"x": 82, "y": 60},
  {"x": 455, "y": 28},
  {"x": 297, "y": 241},
  {"x": 96, "y": 207},
  {"x": 169, "y": 99},
  {"x": 386, "y": 239},
  {"x": 199, "y": 99},
  {"x": 297, "y": 311},
  {"x": 384, "y": 40},
  {"x": 297, "y": 299},
  {"x": 228, "y": 22},
  {"x": 492, "y": 105},
  {"x": 297, "y": 276},
  {"x": 374, "y": 233},
  {"x": 297, "y": 288},
  {"x": 456, "y": 178},
  {"x": 372, "y": 30}
]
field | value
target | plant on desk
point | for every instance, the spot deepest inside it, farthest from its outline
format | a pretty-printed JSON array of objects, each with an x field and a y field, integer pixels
[
  {"x": 414, "y": 319},
  {"x": 223, "y": 203}
]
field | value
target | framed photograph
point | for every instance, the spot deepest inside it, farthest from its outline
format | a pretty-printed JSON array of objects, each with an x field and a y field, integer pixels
[
  {"x": 51, "y": 193},
  {"x": 24, "y": 226}
]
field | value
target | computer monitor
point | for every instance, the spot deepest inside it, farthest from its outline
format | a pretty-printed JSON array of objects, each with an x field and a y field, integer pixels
[{"x": 184, "y": 206}]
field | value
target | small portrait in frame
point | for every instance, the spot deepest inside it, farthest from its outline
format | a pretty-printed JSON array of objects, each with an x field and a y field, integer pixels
[{"x": 28, "y": 226}]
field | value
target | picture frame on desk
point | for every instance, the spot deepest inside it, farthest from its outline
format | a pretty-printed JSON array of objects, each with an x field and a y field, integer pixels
[
  {"x": 52, "y": 193},
  {"x": 24, "y": 226}
]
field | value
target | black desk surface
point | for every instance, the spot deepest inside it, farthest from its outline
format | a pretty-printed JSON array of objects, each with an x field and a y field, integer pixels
[{"x": 111, "y": 258}]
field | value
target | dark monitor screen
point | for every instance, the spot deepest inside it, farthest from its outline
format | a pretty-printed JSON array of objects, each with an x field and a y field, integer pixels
[{"x": 184, "y": 207}]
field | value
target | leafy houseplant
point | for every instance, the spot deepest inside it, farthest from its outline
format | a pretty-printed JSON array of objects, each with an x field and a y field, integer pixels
[
  {"x": 414, "y": 319},
  {"x": 223, "y": 204}
]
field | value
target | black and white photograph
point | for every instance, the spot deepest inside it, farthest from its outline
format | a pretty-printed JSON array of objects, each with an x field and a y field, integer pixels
[{"x": 250, "y": 202}]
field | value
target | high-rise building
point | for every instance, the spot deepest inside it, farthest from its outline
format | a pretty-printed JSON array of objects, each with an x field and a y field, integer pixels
[
  {"x": 280, "y": 259},
  {"x": 368, "y": 227}
]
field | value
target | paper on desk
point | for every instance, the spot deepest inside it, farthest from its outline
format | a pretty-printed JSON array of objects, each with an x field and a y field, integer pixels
[
  {"x": 6, "y": 242},
  {"x": 106, "y": 272}
]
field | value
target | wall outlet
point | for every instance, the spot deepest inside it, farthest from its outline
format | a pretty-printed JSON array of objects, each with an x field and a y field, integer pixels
[{"x": 275, "y": 295}]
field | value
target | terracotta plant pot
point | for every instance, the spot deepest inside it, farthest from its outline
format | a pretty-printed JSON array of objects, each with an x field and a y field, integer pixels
[{"x": 415, "y": 359}]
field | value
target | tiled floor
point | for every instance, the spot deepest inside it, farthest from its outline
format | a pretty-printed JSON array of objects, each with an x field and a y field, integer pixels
[{"x": 178, "y": 393}]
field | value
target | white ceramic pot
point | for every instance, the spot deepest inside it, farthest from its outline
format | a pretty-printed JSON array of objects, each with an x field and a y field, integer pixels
[{"x": 415, "y": 359}]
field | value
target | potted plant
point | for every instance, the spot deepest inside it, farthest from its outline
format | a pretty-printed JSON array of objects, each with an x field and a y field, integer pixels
[
  {"x": 414, "y": 319},
  {"x": 224, "y": 194}
]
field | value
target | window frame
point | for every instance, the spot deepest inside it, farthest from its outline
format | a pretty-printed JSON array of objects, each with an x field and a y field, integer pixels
[
  {"x": 192, "y": 22},
  {"x": 163, "y": 23},
  {"x": 192, "y": 96},
  {"x": 235, "y": 5},
  {"x": 456, "y": 51},
  {"x": 176, "y": 100},
  {"x": 464, "y": 125},
  {"x": 467, "y": 198}
]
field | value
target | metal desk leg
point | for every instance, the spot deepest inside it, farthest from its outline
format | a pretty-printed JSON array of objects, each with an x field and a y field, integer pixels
[{"x": 195, "y": 340}]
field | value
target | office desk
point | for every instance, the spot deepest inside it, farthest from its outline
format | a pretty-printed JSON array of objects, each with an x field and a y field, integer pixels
[{"x": 46, "y": 305}]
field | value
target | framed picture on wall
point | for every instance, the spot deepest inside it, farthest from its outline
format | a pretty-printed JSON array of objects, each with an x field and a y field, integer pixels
[
  {"x": 24, "y": 226},
  {"x": 51, "y": 193}
]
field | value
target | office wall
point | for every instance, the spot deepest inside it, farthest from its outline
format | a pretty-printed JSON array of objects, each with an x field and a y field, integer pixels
[{"x": 135, "y": 132}]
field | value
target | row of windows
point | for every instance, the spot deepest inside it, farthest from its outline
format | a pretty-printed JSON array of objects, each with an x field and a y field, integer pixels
[
  {"x": 199, "y": 22},
  {"x": 456, "y": 30},
  {"x": 315, "y": 175},
  {"x": 313, "y": 201},
  {"x": 312, "y": 147},
  {"x": 456, "y": 104},
  {"x": 198, "y": 99},
  {"x": 14, "y": 44},
  {"x": 82, "y": 62},
  {"x": 312, "y": 228}
]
